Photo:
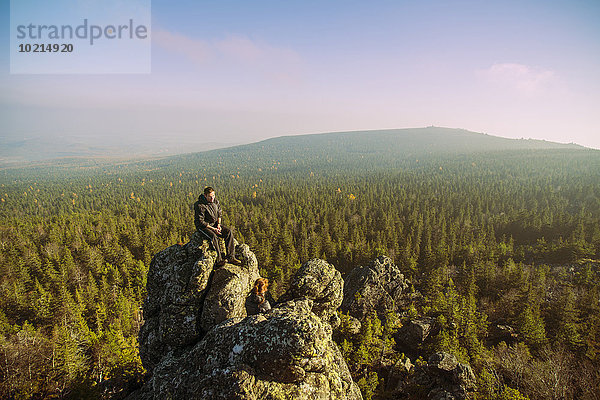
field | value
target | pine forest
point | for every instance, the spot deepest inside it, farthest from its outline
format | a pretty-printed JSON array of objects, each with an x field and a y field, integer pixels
[{"x": 494, "y": 240}]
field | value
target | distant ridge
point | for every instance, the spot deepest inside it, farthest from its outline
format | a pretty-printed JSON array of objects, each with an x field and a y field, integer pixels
[
  {"x": 362, "y": 150},
  {"x": 356, "y": 149},
  {"x": 382, "y": 144},
  {"x": 427, "y": 140}
]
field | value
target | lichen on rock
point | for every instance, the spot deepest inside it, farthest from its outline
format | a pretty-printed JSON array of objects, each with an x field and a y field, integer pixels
[
  {"x": 198, "y": 343},
  {"x": 379, "y": 287},
  {"x": 320, "y": 282}
]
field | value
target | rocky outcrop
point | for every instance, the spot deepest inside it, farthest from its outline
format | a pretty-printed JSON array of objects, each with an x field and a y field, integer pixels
[
  {"x": 379, "y": 287},
  {"x": 284, "y": 354},
  {"x": 503, "y": 333},
  {"x": 198, "y": 343},
  {"x": 176, "y": 285},
  {"x": 441, "y": 378},
  {"x": 399, "y": 375},
  {"x": 447, "y": 378},
  {"x": 226, "y": 296},
  {"x": 413, "y": 334},
  {"x": 320, "y": 282}
]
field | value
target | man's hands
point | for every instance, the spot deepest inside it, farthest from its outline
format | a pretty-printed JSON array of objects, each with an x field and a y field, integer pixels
[{"x": 216, "y": 230}]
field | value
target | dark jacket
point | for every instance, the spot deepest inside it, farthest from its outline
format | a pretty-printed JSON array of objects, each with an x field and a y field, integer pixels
[{"x": 206, "y": 213}]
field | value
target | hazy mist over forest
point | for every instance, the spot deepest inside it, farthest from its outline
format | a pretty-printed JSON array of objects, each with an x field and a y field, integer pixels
[{"x": 245, "y": 71}]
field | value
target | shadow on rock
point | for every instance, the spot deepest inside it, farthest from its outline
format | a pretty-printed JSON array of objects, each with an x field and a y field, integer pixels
[{"x": 198, "y": 342}]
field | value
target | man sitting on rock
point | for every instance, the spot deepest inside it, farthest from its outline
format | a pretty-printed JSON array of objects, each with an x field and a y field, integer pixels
[{"x": 207, "y": 218}]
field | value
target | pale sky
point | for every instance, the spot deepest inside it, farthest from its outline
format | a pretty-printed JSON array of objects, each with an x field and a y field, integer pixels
[{"x": 242, "y": 71}]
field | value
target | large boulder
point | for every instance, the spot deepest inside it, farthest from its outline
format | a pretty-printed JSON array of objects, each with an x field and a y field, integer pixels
[
  {"x": 441, "y": 378},
  {"x": 320, "y": 282},
  {"x": 176, "y": 285},
  {"x": 286, "y": 353},
  {"x": 399, "y": 374},
  {"x": 198, "y": 342},
  {"x": 503, "y": 333},
  {"x": 187, "y": 296},
  {"x": 445, "y": 378},
  {"x": 379, "y": 287},
  {"x": 412, "y": 335},
  {"x": 226, "y": 297}
]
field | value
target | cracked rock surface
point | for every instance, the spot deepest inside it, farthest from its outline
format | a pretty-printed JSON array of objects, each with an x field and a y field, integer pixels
[
  {"x": 379, "y": 287},
  {"x": 198, "y": 342}
]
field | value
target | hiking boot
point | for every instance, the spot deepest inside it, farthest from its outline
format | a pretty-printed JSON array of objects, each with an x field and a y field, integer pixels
[
  {"x": 219, "y": 264},
  {"x": 234, "y": 261}
]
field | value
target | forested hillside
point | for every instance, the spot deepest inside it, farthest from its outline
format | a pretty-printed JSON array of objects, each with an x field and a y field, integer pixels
[{"x": 492, "y": 232}]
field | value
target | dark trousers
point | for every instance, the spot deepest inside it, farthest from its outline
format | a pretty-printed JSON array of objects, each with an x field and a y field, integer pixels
[{"x": 225, "y": 234}]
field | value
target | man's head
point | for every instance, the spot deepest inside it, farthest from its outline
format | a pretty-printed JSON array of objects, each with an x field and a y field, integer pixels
[{"x": 209, "y": 193}]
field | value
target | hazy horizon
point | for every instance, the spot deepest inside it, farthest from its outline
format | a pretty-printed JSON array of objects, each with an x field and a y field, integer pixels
[
  {"x": 240, "y": 72},
  {"x": 19, "y": 153}
]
